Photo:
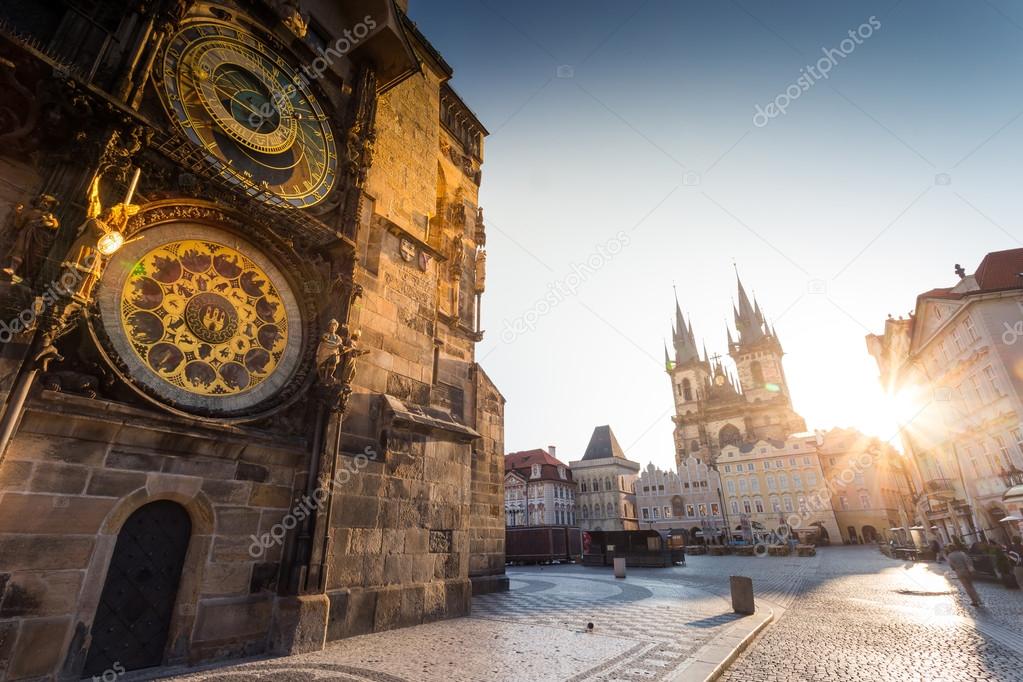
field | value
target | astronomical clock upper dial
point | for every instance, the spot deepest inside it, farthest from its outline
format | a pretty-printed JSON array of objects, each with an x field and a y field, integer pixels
[{"x": 256, "y": 117}]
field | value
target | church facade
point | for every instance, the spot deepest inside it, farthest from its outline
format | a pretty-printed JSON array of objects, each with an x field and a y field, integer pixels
[
  {"x": 243, "y": 264},
  {"x": 714, "y": 407}
]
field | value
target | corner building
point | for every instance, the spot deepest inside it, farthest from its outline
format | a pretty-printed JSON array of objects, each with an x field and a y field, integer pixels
[{"x": 243, "y": 264}]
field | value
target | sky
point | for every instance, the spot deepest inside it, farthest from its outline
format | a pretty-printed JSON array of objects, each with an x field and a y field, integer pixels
[{"x": 636, "y": 147}]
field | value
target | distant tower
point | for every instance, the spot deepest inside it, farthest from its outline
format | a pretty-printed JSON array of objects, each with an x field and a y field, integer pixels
[
  {"x": 691, "y": 377},
  {"x": 713, "y": 407}
]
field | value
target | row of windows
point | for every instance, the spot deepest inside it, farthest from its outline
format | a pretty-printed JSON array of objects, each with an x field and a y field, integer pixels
[
  {"x": 593, "y": 485},
  {"x": 691, "y": 511},
  {"x": 767, "y": 464},
  {"x": 781, "y": 482}
]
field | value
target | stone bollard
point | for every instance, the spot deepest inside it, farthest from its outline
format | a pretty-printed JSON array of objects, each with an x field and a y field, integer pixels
[
  {"x": 619, "y": 567},
  {"x": 742, "y": 594}
]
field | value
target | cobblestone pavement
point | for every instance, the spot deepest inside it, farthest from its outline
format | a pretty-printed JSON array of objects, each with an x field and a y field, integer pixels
[
  {"x": 846, "y": 614},
  {"x": 862, "y": 616}
]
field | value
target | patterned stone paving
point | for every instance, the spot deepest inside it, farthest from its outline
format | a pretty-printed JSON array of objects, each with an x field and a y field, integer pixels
[{"x": 846, "y": 614}]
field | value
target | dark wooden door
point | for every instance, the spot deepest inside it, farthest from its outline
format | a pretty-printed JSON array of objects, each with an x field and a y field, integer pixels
[{"x": 135, "y": 608}]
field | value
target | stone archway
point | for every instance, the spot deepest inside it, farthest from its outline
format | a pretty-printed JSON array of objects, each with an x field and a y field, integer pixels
[
  {"x": 133, "y": 620},
  {"x": 869, "y": 534}
]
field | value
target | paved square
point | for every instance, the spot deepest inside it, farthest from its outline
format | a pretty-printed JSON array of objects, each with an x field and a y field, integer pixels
[{"x": 847, "y": 614}]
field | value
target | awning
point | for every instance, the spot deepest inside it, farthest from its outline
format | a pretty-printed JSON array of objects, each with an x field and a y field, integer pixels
[
  {"x": 1014, "y": 495},
  {"x": 1010, "y": 517},
  {"x": 898, "y": 528},
  {"x": 917, "y": 528}
]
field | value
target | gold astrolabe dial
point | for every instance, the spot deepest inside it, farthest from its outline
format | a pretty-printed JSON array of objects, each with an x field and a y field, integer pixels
[
  {"x": 255, "y": 115},
  {"x": 204, "y": 318}
]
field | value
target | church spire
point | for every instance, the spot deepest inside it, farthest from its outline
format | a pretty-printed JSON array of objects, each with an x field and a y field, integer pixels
[
  {"x": 683, "y": 338},
  {"x": 749, "y": 320}
]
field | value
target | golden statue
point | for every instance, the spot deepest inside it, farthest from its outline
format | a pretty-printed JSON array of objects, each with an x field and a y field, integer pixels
[
  {"x": 328, "y": 353},
  {"x": 99, "y": 237}
]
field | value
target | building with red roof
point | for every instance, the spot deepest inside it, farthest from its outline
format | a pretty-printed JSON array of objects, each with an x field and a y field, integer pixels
[
  {"x": 955, "y": 365},
  {"x": 538, "y": 489}
]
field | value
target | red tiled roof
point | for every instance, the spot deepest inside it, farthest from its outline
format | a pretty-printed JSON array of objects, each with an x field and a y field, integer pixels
[
  {"x": 522, "y": 463},
  {"x": 1000, "y": 270}
]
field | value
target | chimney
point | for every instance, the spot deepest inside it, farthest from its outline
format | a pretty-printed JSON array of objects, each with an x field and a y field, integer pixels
[{"x": 552, "y": 451}]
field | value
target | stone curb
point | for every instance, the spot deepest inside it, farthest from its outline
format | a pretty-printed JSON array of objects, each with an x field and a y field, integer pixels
[{"x": 712, "y": 659}]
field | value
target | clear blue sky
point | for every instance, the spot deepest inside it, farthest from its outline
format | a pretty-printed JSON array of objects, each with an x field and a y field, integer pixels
[{"x": 905, "y": 160}]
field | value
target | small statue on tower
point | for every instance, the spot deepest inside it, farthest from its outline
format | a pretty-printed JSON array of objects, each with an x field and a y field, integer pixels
[{"x": 33, "y": 230}]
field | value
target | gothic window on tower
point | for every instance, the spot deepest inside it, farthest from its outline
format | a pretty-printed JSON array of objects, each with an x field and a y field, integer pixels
[
  {"x": 729, "y": 435},
  {"x": 687, "y": 390},
  {"x": 758, "y": 373}
]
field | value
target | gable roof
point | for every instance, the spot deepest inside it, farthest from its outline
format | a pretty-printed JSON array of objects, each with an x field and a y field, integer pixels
[
  {"x": 603, "y": 445},
  {"x": 521, "y": 463}
]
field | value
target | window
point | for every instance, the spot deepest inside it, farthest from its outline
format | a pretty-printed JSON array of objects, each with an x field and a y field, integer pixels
[
  {"x": 646, "y": 488},
  {"x": 759, "y": 503},
  {"x": 690, "y": 511},
  {"x": 730, "y": 485},
  {"x": 687, "y": 390},
  {"x": 788, "y": 503},
  {"x": 783, "y": 482},
  {"x": 777, "y": 464},
  {"x": 806, "y": 460},
  {"x": 610, "y": 510},
  {"x": 728, "y": 468},
  {"x": 743, "y": 485},
  {"x": 561, "y": 473},
  {"x": 703, "y": 510},
  {"x": 775, "y": 504},
  {"x": 971, "y": 332},
  {"x": 746, "y": 506},
  {"x": 735, "y": 507},
  {"x": 1003, "y": 450},
  {"x": 667, "y": 512},
  {"x": 751, "y": 466},
  {"x": 758, "y": 373},
  {"x": 607, "y": 484},
  {"x": 843, "y": 501},
  {"x": 582, "y": 486},
  {"x": 535, "y": 472},
  {"x": 754, "y": 484},
  {"x": 811, "y": 479},
  {"x": 992, "y": 381},
  {"x": 792, "y": 461},
  {"x": 714, "y": 509},
  {"x": 797, "y": 482},
  {"x": 864, "y": 501}
]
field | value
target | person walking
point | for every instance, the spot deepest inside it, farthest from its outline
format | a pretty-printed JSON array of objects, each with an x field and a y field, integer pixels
[
  {"x": 936, "y": 549},
  {"x": 960, "y": 562},
  {"x": 1016, "y": 555}
]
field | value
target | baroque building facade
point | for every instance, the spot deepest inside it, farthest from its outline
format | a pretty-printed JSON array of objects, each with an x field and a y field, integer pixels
[
  {"x": 953, "y": 368},
  {"x": 685, "y": 502},
  {"x": 243, "y": 269},
  {"x": 606, "y": 497},
  {"x": 538, "y": 489}
]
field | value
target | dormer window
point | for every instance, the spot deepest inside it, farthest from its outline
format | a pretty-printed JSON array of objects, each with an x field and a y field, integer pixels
[
  {"x": 561, "y": 473},
  {"x": 536, "y": 471}
]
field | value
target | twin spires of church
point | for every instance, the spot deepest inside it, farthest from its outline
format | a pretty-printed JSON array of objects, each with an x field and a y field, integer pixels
[{"x": 750, "y": 324}]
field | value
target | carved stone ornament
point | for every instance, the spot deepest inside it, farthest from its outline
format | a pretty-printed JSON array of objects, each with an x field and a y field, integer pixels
[{"x": 407, "y": 249}]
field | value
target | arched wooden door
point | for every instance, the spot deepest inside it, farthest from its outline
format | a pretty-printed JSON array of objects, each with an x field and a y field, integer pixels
[{"x": 135, "y": 608}]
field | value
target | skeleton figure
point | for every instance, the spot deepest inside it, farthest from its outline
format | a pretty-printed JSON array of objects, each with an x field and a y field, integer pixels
[
  {"x": 33, "y": 230},
  {"x": 349, "y": 353}
]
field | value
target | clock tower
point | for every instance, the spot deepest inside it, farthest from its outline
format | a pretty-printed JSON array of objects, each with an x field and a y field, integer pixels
[{"x": 241, "y": 289}]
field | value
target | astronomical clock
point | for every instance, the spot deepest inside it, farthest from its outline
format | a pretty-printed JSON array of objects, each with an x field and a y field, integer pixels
[{"x": 201, "y": 311}]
